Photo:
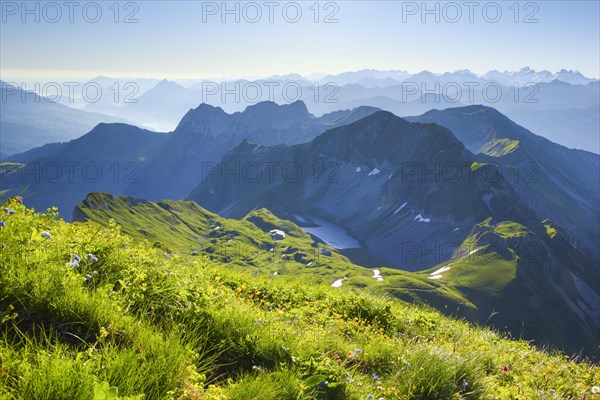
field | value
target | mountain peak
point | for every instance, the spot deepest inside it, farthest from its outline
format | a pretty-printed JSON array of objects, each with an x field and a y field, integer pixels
[
  {"x": 489, "y": 131},
  {"x": 483, "y": 111},
  {"x": 296, "y": 106},
  {"x": 167, "y": 84},
  {"x": 384, "y": 135},
  {"x": 110, "y": 129},
  {"x": 202, "y": 115},
  {"x": 273, "y": 113}
]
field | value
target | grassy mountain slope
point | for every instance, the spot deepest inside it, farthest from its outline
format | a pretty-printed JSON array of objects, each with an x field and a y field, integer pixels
[
  {"x": 532, "y": 284},
  {"x": 185, "y": 228},
  {"x": 145, "y": 324}
]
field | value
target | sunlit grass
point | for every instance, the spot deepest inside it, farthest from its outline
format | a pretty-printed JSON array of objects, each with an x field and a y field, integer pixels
[{"x": 171, "y": 327}]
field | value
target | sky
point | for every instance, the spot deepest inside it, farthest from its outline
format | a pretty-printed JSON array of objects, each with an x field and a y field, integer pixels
[{"x": 196, "y": 39}]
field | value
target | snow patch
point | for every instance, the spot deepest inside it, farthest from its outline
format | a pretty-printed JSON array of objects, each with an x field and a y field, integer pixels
[
  {"x": 358, "y": 169},
  {"x": 374, "y": 172},
  {"x": 439, "y": 271},
  {"x": 338, "y": 283},
  {"x": 377, "y": 275},
  {"x": 309, "y": 264},
  {"x": 400, "y": 208},
  {"x": 474, "y": 251},
  {"x": 435, "y": 277},
  {"x": 455, "y": 229},
  {"x": 421, "y": 219}
]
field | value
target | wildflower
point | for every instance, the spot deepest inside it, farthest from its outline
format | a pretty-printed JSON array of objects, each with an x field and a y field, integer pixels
[
  {"x": 358, "y": 351},
  {"x": 375, "y": 377},
  {"x": 88, "y": 277},
  {"x": 45, "y": 234},
  {"x": 92, "y": 257},
  {"x": 2, "y": 223},
  {"x": 6, "y": 209},
  {"x": 76, "y": 257},
  {"x": 350, "y": 354},
  {"x": 552, "y": 391},
  {"x": 12, "y": 212},
  {"x": 370, "y": 396},
  {"x": 350, "y": 380},
  {"x": 74, "y": 264},
  {"x": 3, "y": 246},
  {"x": 18, "y": 199},
  {"x": 596, "y": 389},
  {"x": 504, "y": 368},
  {"x": 465, "y": 384},
  {"x": 347, "y": 373}
]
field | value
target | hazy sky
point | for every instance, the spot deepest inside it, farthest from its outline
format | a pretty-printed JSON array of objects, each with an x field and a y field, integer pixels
[{"x": 188, "y": 39}]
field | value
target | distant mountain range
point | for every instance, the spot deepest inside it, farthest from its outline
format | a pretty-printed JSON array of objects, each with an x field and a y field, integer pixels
[
  {"x": 562, "y": 106},
  {"x": 524, "y": 75}
]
